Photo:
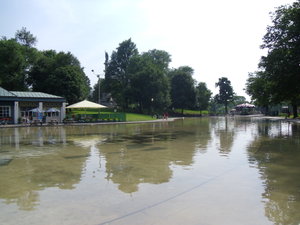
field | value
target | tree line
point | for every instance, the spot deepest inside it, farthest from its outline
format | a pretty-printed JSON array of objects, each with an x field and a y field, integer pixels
[
  {"x": 23, "y": 68},
  {"x": 277, "y": 79},
  {"x": 144, "y": 82},
  {"x": 139, "y": 82}
]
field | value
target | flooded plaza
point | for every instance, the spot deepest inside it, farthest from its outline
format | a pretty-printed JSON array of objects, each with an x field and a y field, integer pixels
[{"x": 206, "y": 171}]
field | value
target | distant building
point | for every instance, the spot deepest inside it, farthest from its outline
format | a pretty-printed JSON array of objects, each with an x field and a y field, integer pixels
[{"x": 17, "y": 106}]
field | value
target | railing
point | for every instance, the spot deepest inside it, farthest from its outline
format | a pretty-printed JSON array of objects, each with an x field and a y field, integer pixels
[
  {"x": 92, "y": 118},
  {"x": 6, "y": 120}
]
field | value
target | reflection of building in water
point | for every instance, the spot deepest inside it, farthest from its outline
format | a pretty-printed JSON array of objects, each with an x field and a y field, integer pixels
[
  {"x": 35, "y": 167},
  {"x": 277, "y": 159},
  {"x": 39, "y": 136},
  {"x": 275, "y": 128}
]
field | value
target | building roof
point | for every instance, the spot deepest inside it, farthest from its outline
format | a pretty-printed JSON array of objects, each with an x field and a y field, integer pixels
[
  {"x": 5, "y": 93},
  {"x": 28, "y": 94}
]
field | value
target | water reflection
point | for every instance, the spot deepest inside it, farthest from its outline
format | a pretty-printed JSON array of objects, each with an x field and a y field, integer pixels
[
  {"x": 107, "y": 163},
  {"x": 224, "y": 130},
  {"x": 46, "y": 159},
  {"x": 147, "y": 154},
  {"x": 276, "y": 153}
]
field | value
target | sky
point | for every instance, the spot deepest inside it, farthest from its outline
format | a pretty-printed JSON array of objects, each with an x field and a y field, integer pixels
[{"x": 216, "y": 38}]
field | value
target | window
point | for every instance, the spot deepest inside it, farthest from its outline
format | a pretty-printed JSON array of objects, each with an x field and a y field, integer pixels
[{"x": 4, "y": 111}]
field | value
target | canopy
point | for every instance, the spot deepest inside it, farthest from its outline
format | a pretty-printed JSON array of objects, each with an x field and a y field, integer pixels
[
  {"x": 36, "y": 110},
  {"x": 245, "y": 105},
  {"x": 85, "y": 104},
  {"x": 53, "y": 110}
]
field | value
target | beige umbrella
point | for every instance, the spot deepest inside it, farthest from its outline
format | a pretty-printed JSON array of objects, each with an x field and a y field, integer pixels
[{"x": 85, "y": 104}]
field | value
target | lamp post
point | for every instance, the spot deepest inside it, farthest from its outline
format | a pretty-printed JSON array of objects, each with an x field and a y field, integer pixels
[
  {"x": 98, "y": 75},
  {"x": 152, "y": 99}
]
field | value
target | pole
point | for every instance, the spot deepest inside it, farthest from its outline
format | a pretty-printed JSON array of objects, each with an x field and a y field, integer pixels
[
  {"x": 98, "y": 88},
  {"x": 99, "y": 81}
]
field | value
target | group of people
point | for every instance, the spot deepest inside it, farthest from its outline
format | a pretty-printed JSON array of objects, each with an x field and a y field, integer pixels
[{"x": 165, "y": 115}]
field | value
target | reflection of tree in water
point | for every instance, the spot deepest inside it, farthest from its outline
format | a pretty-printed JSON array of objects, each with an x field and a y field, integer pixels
[
  {"x": 144, "y": 155},
  {"x": 224, "y": 129},
  {"x": 26, "y": 174},
  {"x": 278, "y": 159}
]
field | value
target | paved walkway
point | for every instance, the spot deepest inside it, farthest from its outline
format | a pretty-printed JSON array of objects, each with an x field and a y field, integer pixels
[
  {"x": 99, "y": 123},
  {"x": 147, "y": 121}
]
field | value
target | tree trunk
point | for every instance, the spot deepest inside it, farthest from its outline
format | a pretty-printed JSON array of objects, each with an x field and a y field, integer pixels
[
  {"x": 295, "y": 113},
  {"x": 266, "y": 110}
]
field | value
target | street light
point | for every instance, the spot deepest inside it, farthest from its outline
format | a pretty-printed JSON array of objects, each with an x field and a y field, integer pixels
[{"x": 98, "y": 75}]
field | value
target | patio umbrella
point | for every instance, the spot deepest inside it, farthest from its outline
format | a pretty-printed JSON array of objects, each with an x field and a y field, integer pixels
[
  {"x": 85, "y": 104},
  {"x": 51, "y": 110},
  {"x": 36, "y": 110}
]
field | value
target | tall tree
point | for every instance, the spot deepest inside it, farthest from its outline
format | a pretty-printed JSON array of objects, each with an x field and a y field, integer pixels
[
  {"x": 183, "y": 93},
  {"x": 225, "y": 92},
  {"x": 149, "y": 84},
  {"x": 59, "y": 74},
  {"x": 282, "y": 62},
  {"x": 258, "y": 86},
  {"x": 203, "y": 95},
  {"x": 15, "y": 62},
  {"x": 116, "y": 76},
  {"x": 24, "y": 37}
]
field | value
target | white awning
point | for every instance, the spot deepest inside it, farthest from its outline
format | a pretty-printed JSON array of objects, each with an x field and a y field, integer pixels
[{"x": 85, "y": 104}]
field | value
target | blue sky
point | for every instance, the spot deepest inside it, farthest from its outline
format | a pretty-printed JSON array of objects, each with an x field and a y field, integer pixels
[{"x": 216, "y": 38}]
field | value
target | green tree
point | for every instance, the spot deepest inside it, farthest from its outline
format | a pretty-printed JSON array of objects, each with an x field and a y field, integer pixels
[
  {"x": 183, "y": 93},
  {"x": 282, "y": 62},
  {"x": 116, "y": 76},
  {"x": 258, "y": 86},
  {"x": 24, "y": 37},
  {"x": 59, "y": 74},
  {"x": 203, "y": 95},
  {"x": 225, "y": 92},
  {"x": 15, "y": 62},
  {"x": 149, "y": 84},
  {"x": 237, "y": 99}
]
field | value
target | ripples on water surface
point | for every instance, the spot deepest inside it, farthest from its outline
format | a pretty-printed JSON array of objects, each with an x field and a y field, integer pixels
[{"x": 192, "y": 171}]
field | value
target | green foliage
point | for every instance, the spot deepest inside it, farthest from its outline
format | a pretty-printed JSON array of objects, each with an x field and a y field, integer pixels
[
  {"x": 258, "y": 86},
  {"x": 59, "y": 74},
  {"x": 236, "y": 100},
  {"x": 24, "y": 37},
  {"x": 107, "y": 111},
  {"x": 225, "y": 92},
  {"x": 203, "y": 95},
  {"x": 144, "y": 82},
  {"x": 191, "y": 112},
  {"x": 138, "y": 117},
  {"x": 149, "y": 85},
  {"x": 116, "y": 72},
  {"x": 183, "y": 93},
  {"x": 23, "y": 67},
  {"x": 280, "y": 74},
  {"x": 15, "y": 62}
]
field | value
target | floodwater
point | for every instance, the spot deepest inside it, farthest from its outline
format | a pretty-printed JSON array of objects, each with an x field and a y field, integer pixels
[{"x": 194, "y": 171}]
